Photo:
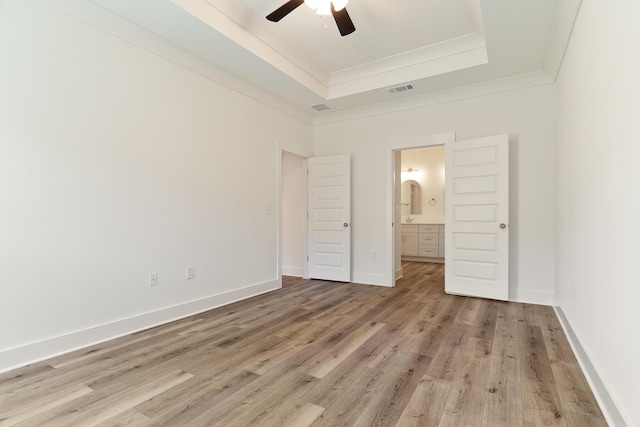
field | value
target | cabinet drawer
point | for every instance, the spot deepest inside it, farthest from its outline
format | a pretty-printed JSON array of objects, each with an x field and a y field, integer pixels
[
  {"x": 428, "y": 250},
  {"x": 429, "y": 228},
  {"x": 409, "y": 228},
  {"x": 428, "y": 239}
]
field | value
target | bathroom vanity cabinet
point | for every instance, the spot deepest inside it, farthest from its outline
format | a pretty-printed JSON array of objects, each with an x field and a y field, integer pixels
[{"x": 422, "y": 242}]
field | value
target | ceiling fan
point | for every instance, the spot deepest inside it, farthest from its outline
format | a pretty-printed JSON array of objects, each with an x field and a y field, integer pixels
[{"x": 323, "y": 7}]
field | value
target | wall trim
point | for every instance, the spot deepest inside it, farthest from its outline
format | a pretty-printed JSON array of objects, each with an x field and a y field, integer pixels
[
  {"x": 17, "y": 357},
  {"x": 607, "y": 404},
  {"x": 370, "y": 279},
  {"x": 529, "y": 296},
  {"x": 293, "y": 271}
]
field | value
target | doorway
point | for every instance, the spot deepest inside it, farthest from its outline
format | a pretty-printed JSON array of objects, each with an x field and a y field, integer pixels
[
  {"x": 293, "y": 225},
  {"x": 476, "y": 216},
  {"x": 394, "y": 212},
  {"x": 314, "y": 216},
  {"x": 421, "y": 205}
]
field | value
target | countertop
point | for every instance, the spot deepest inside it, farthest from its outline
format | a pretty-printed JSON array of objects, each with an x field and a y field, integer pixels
[{"x": 423, "y": 223}]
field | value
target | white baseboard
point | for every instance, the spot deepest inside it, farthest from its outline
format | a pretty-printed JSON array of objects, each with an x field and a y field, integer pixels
[
  {"x": 531, "y": 297},
  {"x": 292, "y": 271},
  {"x": 607, "y": 405},
  {"x": 371, "y": 279},
  {"x": 41, "y": 350}
]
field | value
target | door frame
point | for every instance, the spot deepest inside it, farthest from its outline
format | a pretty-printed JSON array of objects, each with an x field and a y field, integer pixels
[{"x": 391, "y": 148}]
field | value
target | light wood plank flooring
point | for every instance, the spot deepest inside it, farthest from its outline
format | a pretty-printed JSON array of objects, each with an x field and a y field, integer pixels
[{"x": 321, "y": 354}]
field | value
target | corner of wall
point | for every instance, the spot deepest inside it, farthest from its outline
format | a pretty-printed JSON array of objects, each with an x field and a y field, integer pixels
[
  {"x": 529, "y": 296},
  {"x": 605, "y": 400}
]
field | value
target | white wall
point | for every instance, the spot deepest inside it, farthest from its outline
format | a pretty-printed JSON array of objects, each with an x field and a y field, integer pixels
[
  {"x": 526, "y": 115},
  {"x": 430, "y": 175},
  {"x": 292, "y": 211},
  {"x": 117, "y": 161},
  {"x": 598, "y": 208}
]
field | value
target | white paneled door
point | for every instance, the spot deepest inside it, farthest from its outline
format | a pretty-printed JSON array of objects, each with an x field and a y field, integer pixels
[
  {"x": 477, "y": 217},
  {"x": 329, "y": 224}
]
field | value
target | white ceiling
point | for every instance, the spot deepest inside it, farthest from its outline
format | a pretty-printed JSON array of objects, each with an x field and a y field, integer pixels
[{"x": 438, "y": 46}]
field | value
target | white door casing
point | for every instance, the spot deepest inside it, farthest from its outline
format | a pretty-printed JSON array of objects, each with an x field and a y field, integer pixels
[
  {"x": 329, "y": 223},
  {"x": 477, "y": 217}
]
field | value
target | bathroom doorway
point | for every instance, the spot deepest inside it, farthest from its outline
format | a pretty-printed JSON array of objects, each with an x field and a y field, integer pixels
[{"x": 419, "y": 184}]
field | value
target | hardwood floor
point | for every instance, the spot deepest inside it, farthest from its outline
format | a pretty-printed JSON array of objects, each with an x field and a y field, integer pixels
[{"x": 321, "y": 354}]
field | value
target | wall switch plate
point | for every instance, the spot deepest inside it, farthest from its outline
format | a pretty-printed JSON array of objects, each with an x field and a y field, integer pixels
[
  {"x": 190, "y": 272},
  {"x": 153, "y": 279}
]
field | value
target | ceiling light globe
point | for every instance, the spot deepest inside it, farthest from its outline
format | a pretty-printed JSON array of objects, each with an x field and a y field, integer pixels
[
  {"x": 324, "y": 7},
  {"x": 313, "y": 4},
  {"x": 339, "y": 4}
]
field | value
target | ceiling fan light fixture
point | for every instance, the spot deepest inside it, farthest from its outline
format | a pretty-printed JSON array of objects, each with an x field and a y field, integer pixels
[
  {"x": 339, "y": 4},
  {"x": 323, "y": 7}
]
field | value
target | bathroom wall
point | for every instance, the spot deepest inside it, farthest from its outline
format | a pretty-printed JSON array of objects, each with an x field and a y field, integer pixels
[{"x": 429, "y": 163}]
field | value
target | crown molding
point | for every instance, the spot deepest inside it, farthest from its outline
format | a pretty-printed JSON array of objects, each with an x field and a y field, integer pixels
[
  {"x": 238, "y": 23},
  {"x": 472, "y": 91},
  {"x": 235, "y": 21}
]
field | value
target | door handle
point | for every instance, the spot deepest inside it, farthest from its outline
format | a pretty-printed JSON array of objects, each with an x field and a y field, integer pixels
[{"x": 503, "y": 225}]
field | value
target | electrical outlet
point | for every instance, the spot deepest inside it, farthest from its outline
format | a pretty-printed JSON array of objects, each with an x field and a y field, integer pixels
[
  {"x": 190, "y": 272},
  {"x": 153, "y": 279}
]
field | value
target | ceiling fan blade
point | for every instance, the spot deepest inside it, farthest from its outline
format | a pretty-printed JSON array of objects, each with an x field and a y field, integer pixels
[
  {"x": 344, "y": 22},
  {"x": 284, "y": 10}
]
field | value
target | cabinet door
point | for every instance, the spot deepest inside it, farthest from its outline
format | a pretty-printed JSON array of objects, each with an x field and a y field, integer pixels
[
  {"x": 410, "y": 244},
  {"x": 430, "y": 251},
  {"x": 429, "y": 239}
]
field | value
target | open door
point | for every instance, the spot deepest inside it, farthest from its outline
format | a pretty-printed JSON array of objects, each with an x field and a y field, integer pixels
[
  {"x": 329, "y": 223},
  {"x": 477, "y": 217}
]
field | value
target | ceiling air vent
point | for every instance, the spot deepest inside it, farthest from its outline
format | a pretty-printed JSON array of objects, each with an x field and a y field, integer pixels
[
  {"x": 402, "y": 88},
  {"x": 320, "y": 107}
]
